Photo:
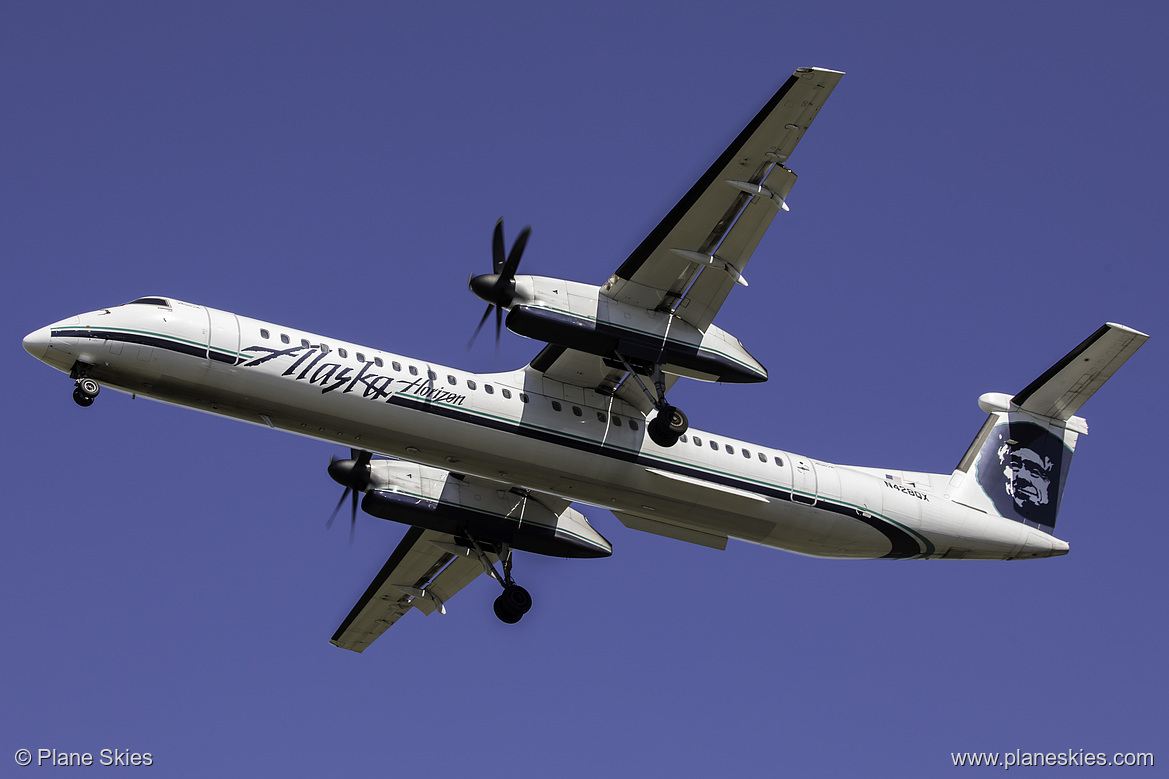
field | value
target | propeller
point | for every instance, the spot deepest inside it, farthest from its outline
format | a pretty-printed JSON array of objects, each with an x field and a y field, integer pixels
[
  {"x": 354, "y": 475},
  {"x": 498, "y": 288}
]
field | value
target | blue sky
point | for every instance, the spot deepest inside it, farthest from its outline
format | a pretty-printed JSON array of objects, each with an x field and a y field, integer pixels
[{"x": 982, "y": 191}]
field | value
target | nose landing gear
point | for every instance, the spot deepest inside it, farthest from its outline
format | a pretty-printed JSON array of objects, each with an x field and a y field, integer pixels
[{"x": 84, "y": 391}]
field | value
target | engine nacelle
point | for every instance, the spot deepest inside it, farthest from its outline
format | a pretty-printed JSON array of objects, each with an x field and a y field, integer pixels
[
  {"x": 437, "y": 500},
  {"x": 575, "y": 315}
]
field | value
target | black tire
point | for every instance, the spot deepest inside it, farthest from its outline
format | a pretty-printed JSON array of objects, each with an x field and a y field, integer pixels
[
  {"x": 517, "y": 599},
  {"x": 665, "y": 428},
  {"x": 675, "y": 421},
  {"x": 504, "y": 613},
  {"x": 659, "y": 436},
  {"x": 89, "y": 387},
  {"x": 81, "y": 398}
]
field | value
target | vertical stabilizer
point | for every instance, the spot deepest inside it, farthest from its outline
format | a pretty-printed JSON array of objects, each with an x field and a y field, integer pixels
[{"x": 1017, "y": 466}]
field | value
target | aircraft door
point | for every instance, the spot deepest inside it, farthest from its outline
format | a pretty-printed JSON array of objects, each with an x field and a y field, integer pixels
[
  {"x": 222, "y": 337},
  {"x": 803, "y": 481}
]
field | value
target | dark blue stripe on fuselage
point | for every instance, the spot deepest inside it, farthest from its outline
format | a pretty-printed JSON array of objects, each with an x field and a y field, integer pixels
[
  {"x": 146, "y": 340},
  {"x": 902, "y": 543}
]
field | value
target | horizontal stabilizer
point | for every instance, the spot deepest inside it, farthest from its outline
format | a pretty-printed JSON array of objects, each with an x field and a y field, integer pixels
[{"x": 1067, "y": 385}]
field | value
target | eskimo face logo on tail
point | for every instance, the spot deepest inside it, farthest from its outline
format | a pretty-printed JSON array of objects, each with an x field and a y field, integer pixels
[{"x": 1022, "y": 468}]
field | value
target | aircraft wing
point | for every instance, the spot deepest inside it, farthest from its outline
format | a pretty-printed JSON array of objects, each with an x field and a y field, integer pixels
[
  {"x": 423, "y": 573},
  {"x": 690, "y": 262}
]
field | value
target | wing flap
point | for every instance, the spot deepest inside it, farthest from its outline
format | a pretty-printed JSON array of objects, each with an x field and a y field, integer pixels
[
  {"x": 423, "y": 572},
  {"x": 670, "y": 530},
  {"x": 693, "y": 258},
  {"x": 726, "y": 211}
]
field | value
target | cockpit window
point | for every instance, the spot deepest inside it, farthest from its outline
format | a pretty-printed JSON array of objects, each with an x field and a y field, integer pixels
[{"x": 150, "y": 302}]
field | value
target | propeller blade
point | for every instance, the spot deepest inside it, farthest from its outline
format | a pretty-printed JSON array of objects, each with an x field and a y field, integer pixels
[
  {"x": 497, "y": 258},
  {"x": 356, "y": 474},
  {"x": 486, "y": 314},
  {"x": 353, "y": 519},
  {"x": 498, "y": 288},
  {"x": 513, "y": 259},
  {"x": 333, "y": 516}
]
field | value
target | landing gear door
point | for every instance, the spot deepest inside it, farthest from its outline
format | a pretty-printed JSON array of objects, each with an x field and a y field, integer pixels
[{"x": 222, "y": 337}]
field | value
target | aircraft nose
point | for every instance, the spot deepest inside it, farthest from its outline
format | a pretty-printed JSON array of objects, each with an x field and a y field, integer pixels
[{"x": 36, "y": 343}]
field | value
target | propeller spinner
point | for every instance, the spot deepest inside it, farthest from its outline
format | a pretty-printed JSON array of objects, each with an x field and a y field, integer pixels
[{"x": 498, "y": 288}]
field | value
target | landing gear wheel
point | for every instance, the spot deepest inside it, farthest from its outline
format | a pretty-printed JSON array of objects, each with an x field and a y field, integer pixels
[
  {"x": 81, "y": 398},
  {"x": 513, "y": 604},
  {"x": 668, "y": 426},
  {"x": 85, "y": 390}
]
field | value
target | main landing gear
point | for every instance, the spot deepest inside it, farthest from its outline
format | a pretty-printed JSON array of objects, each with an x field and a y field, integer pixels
[
  {"x": 670, "y": 423},
  {"x": 668, "y": 426},
  {"x": 515, "y": 601},
  {"x": 84, "y": 391}
]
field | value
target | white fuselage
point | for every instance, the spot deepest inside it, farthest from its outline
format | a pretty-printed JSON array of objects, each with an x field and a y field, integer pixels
[{"x": 520, "y": 428}]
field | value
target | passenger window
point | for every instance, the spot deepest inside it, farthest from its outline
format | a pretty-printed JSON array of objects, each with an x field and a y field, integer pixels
[
  {"x": 283, "y": 338},
  {"x": 616, "y": 421},
  {"x": 264, "y": 334},
  {"x": 304, "y": 342},
  {"x": 471, "y": 384},
  {"x": 555, "y": 405},
  {"x": 360, "y": 357},
  {"x": 632, "y": 425},
  {"x": 413, "y": 371},
  {"x": 342, "y": 353},
  {"x": 746, "y": 454},
  {"x": 601, "y": 417},
  {"x": 490, "y": 390},
  {"x": 324, "y": 348},
  {"x": 682, "y": 438},
  {"x": 730, "y": 449},
  {"x": 506, "y": 392},
  {"x": 762, "y": 457},
  {"x": 451, "y": 380},
  {"x": 576, "y": 411},
  {"x": 697, "y": 441},
  {"x": 714, "y": 445},
  {"x": 431, "y": 375},
  {"x": 378, "y": 362},
  {"x": 779, "y": 461},
  {"x": 397, "y": 365}
]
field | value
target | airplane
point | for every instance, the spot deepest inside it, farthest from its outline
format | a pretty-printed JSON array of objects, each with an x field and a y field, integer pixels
[{"x": 482, "y": 465}]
